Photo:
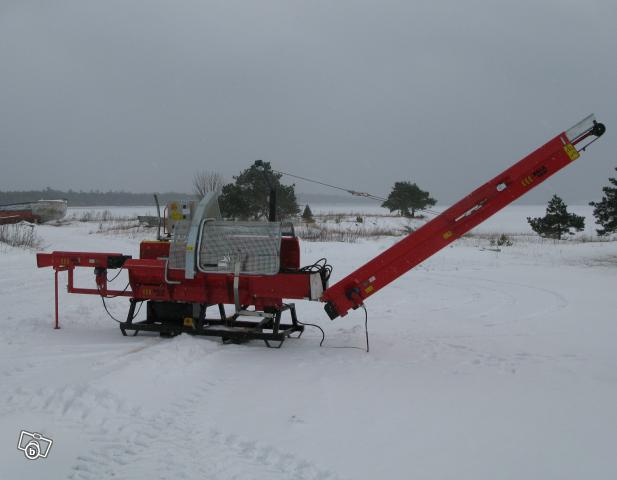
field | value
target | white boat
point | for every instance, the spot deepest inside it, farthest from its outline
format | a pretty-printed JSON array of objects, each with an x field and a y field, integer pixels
[{"x": 37, "y": 212}]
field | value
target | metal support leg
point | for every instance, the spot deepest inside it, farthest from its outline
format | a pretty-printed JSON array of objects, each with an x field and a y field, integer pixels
[
  {"x": 222, "y": 312},
  {"x": 129, "y": 317},
  {"x": 294, "y": 319},
  {"x": 199, "y": 314},
  {"x": 57, "y": 324},
  {"x": 277, "y": 322}
]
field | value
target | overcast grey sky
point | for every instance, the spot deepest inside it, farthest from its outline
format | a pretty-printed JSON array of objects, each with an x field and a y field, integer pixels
[{"x": 138, "y": 95}]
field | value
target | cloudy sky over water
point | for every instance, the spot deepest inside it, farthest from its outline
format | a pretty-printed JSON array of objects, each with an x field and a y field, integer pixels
[{"x": 138, "y": 95}]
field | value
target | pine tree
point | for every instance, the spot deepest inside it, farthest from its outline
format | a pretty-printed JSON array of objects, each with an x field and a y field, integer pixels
[
  {"x": 406, "y": 196},
  {"x": 247, "y": 197},
  {"x": 307, "y": 215},
  {"x": 557, "y": 222},
  {"x": 605, "y": 211}
]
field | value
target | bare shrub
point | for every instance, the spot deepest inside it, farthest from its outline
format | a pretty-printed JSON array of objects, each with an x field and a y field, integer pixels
[
  {"x": 324, "y": 233},
  {"x": 525, "y": 238},
  {"x": 123, "y": 227},
  {"x": 100, "y": 216},
  {"x": 19, "y": 235},
  {"x": 86, "y": 217},
  {"x": 316, "y": 233},
  {"x": 594, "y": 238},
  {"x": 106, "y": 216},
  {"x": 206, "y": 181},
  {"x": 330, "y": 215}
]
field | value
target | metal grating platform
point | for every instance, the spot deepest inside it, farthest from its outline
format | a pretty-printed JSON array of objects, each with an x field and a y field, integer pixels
[{"x": 256, "y": 245}]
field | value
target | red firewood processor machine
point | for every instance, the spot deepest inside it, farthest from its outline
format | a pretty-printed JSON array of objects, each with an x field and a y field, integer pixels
[{"x": 255, "y": 266}]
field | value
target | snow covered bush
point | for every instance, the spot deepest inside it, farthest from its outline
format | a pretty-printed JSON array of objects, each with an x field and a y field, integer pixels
[{"x": 502, "y": 241}]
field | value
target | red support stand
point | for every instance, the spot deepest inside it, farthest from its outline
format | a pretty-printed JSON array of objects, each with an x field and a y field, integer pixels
[{"x": 57, "y": 324}]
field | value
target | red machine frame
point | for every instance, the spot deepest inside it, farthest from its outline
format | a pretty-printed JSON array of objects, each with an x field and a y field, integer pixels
[{"x": 185, "y": 300}]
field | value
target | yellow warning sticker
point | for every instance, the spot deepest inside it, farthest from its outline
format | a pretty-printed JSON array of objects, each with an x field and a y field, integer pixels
[
  {"x": 528, "y": 180},
  {"x": 448, "y": 234},
  {"x": 188, "y": 322},
  {"x": 369, "y": 289},
  {"x": 571, "y": 151}
]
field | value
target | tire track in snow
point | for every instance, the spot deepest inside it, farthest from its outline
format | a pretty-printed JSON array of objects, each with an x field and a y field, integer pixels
[
  {"x": 559, "y": 301},
  {"x": 212, "y": 453},
  {"x": 99, "y": 362},
  {"x": 494, "y": 302},
  {"x": 476, "y": 295},
  {"x": 124, "y": 441}
]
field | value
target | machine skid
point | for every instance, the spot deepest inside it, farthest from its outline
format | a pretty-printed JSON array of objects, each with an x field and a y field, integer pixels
[{"x": 171, "y": 319}]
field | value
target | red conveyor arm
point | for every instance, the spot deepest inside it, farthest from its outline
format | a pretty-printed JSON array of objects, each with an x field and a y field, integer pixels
[{"x": 457, "y": 220}]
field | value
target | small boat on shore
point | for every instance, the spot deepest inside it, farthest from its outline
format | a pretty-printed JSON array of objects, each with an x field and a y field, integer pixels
[{"x": 36, "y": 212}]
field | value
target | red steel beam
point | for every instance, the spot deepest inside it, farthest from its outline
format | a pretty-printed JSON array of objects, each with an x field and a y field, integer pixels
[
  {"x": 148, "y": 281},
  {"x": 528, "y": 173},
  {"x": 80, "y": 259}
]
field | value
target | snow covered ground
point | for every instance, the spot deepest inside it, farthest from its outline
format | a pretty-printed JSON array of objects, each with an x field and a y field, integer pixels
[{"x": 483, "y": 365}]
